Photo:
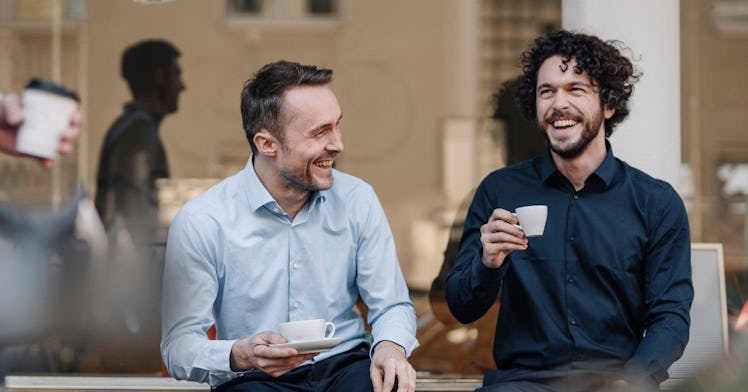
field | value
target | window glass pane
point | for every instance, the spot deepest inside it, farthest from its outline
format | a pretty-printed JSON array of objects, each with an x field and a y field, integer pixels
[
  {"x": 245, "y": 6},
  {"x": 321, "y": 7},
  {"x": 33, "y": 9}
]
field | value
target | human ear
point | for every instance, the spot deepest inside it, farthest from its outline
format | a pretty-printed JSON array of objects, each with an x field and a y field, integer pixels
[
  {"x": 159, "y": 77},
  {"x": 608, "y": 111},
  {"x": 266, "y": 143}
]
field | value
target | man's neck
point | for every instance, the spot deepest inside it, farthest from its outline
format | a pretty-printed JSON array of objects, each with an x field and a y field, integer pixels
[
  {"x": 290, "y": 199},
  {"x": 578, "y": 169},
  {"x": 151, "y": 105}
]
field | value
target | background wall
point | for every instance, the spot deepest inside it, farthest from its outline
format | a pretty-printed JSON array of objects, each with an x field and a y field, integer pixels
[{"x": 393, "y": 78}]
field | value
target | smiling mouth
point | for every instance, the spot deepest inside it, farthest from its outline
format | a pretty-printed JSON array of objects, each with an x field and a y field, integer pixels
[
  {"x": 324, "y": 164},
  {"x": 561, "y": 124}
]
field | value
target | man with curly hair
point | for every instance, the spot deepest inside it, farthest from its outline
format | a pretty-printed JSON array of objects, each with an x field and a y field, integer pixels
[{"x": 601, "y": 300}]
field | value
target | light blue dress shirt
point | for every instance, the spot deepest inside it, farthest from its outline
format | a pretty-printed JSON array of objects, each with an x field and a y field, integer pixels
[{"x": 236, "y": 260}]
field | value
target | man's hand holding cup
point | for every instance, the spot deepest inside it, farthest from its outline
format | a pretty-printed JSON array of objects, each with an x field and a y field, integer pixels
[
  {"x": 44, "y": 124},
  {"x": 506, "y": 232}
]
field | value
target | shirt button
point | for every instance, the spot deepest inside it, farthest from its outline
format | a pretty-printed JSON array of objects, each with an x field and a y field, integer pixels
[
  {"x": 295, "y": 266},
  {"x": 575, "y": 196},
  {"x": 573, "y": 321},
  {"x": 572, "y": 238},
  {"x": 571, "y": 280},
  {"x": 295, "y": 305}
]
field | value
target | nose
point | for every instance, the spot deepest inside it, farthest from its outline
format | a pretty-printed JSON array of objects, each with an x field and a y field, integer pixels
[
  {"x": 335, "y": 142},
  {"x": 561, "y": 100}
]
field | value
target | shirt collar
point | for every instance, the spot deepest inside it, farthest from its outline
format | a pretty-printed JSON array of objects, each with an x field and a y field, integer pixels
[
  {"x": 605, "y": 172},
  {"x": 258, "y": 196},
  {"x": 133, "y": 106},
  {"x": 607, "y": 169}
]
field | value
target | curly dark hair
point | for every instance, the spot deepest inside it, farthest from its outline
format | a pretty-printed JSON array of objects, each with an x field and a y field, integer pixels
[{"x": 609, "y": 69}]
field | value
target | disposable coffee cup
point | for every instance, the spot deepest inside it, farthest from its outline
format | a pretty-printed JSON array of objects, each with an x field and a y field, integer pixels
[
  {"x": 532, "y": 219},
  {"x": 47, "y": 110},
  {"x": 307, "y": 330}
]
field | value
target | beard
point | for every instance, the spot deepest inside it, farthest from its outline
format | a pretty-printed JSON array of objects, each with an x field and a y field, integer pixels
[
  {"x": 302, "y": 182},
  {"x": 590, "y": 129}
]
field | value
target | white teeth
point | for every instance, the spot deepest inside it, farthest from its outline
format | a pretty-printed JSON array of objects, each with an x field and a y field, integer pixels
[
  {"x": 323, "y": 164},
  {"x": 564, "y": 123}
]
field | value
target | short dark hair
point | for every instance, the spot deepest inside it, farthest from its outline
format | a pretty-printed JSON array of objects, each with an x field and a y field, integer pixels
[
  {"x": 611, "y": 71},
  {"x": 262, "y": 95},
  {"x": 141, "y": 61}
]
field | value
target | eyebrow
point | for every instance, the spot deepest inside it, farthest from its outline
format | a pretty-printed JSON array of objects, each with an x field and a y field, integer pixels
[
  {"x": 317, "y": 128},
  {"x": 572, "y": 83},
  {"x": 580, "y": 83}
]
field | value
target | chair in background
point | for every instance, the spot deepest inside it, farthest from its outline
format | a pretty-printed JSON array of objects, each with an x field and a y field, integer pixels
[{"x": 708, "y": 342}]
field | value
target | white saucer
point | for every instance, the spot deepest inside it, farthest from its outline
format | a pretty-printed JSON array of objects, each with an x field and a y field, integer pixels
[{"x": 311, "y": 346}]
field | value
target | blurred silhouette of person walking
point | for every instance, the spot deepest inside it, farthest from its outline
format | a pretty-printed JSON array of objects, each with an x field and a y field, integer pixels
[
  {"x": 132, "y": 159},
  {"x": 132, "y": 156}
]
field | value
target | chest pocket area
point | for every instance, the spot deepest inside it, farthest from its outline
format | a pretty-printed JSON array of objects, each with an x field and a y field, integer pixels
[{"x": 547, "y": 248}]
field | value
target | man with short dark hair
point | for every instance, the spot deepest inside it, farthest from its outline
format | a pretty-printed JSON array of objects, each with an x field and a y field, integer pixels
[
  {"x": 601, "y": 300},
  {"x": 132, "y": 156},
  {"x": 288, "y": 238}
]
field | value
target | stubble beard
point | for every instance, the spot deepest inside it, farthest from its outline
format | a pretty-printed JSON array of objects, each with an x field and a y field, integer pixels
[
  {"x": 301, "y": 183},
  {"x": 576, "y": 148}
]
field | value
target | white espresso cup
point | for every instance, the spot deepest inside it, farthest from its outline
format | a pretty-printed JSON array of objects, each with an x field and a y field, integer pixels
[
  {"x": 305, "y": 330},
  {"x": 47, "y": 110},
  {"x": 532, "y": 219}
]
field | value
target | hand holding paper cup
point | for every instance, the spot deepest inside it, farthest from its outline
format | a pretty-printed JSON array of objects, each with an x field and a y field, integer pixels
[
  {"x": 47, "y": 111},
  {"x": 532, "y": 219},
  {"x": 307, "y": 330}
]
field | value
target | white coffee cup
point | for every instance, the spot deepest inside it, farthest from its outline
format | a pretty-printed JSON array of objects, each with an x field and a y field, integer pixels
[
  {"x": 532, "y": 219},
  {"x": 47, "y": 110},
  {"x": 305, "y": 330}
]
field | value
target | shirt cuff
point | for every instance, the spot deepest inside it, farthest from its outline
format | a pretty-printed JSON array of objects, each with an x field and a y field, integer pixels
[
  {"x": 220, "y": 360},
  {"x": 483, "y": 274},
  {"x": 407, "y": 352},
  {"x": 409, "y": 343},
  {"x": 641, "y": 378}
]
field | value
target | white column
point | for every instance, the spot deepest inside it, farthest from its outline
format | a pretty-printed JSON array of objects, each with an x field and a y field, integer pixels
[
  {"x": 460, "y": 60},
  {"x": 649, "y": 138}
]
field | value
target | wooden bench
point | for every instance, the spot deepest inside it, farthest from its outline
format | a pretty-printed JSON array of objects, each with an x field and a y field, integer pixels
[
  {"x": 99, "y": 383},
  {"x": 158, "y": 384},
  {"x": 425, "y": 383}
]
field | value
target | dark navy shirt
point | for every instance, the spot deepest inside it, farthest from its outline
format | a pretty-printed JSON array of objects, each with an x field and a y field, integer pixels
[{"x": 606, "y": 288}]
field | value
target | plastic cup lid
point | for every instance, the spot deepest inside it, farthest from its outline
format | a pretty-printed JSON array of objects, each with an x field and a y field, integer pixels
[{"x": 52, "y": 87}]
